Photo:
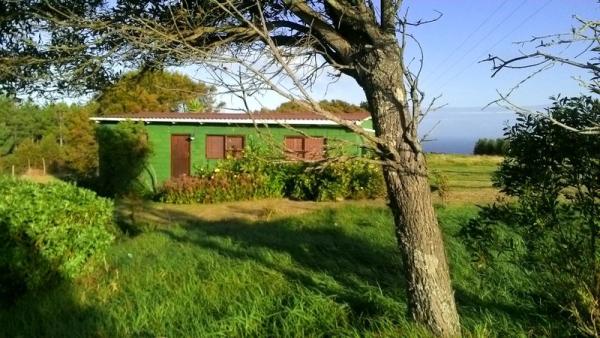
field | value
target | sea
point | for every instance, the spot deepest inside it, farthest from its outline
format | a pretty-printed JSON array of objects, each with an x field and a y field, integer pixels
[{"x": 455, "y": 131}]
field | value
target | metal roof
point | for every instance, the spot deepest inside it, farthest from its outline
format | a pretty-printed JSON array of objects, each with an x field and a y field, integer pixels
[{"x": 255, "y": 118}]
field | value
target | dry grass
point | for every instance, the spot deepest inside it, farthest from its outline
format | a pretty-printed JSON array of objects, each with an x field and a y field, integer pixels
[
  {"x": 38, "y": 176},
  {"x": 465, "y": 160},
  {"x": 261, "y": 210}
]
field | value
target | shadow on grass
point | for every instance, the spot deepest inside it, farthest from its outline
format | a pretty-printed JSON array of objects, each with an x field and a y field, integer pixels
[
  {"x": 53, "y": 312},
  {"x": 326, "y": 258},
  {"x": 356, "y": 264},
  {"x": 48, "y": 310}
]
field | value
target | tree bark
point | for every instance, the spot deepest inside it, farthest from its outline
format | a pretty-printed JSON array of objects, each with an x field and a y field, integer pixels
[{"x": 430, "y": 294}]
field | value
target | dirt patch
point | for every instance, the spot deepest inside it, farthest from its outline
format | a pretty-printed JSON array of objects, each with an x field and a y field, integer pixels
[
  {"x": 262, "y": 210},
  {"x": 269, "y": 209},
  {"x": 38, "y": 176}
]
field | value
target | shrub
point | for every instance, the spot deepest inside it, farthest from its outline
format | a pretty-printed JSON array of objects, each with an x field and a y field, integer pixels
[
  {"x": 216, "y": 186},
  {"x": 552, "y": 229},
  {"x": 336, "y": 181},
  {"x": 123, "y": 154},
  {"x": 48, "y": 232},
  {"x": 440, "y": 184},
  {"x": 485, "y": 146},
  {"x": 254, "y": 177}
]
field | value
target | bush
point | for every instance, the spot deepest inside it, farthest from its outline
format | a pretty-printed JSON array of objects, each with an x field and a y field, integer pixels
[
  {"x": 48, "y": 232},
  {"x": 123, "y": 154},
  {"x": 485, "y": 146},
  {"x": 336, "y": 181},
  {"x": 253, "y": 177},
  {"x": 552, "y": 229},
  {"x": 216, "y": 186}
]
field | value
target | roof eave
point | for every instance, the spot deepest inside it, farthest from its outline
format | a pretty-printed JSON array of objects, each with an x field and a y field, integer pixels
[{"x": 221, "y": 121}]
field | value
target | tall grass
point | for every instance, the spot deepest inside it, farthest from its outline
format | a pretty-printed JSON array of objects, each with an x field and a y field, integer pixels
[{"x": 334, "y": 272}]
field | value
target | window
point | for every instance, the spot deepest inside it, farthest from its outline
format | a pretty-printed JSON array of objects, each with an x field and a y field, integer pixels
[
  {"x": 308, "y": 148},
  {"x": 220, "y": 146}
]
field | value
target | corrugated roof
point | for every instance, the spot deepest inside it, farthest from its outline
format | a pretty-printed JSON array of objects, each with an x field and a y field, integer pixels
[
  {"x": 258, "y": 118},
  {"x": 239, "y": 116}
]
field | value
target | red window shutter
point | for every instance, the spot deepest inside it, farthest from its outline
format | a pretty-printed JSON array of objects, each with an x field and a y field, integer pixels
[
  {"x": 294, "y": 147},
  {"x": 314, "y": 148},
  {"x": 234, "y": 146},
  {"x": 215, "y": 147}
]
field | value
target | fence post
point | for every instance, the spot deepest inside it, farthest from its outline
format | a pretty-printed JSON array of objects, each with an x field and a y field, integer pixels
[
  {"x": 13, "y": 170},
  {"x": 44, "y": 165}
]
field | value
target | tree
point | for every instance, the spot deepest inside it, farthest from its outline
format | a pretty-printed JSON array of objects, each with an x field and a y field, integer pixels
[
  {"x": 334, "y": 106},
  {"x": 123, "y": 153},
  {"x": 20, "y": 121},
  {"x": 81, "y": 147},
  {"x": 277, "y": 45},
  {"x": 550, "y": 227},
  {"x": 155, "y": 91}
]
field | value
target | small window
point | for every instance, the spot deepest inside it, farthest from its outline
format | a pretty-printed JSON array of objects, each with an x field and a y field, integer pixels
[
  {"x": 219, "y": 147},
  {"x": 308, "y": 148}
]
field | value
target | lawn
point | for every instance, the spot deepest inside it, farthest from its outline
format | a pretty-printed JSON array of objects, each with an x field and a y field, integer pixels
[
  {"x": 469, "y": 177},
  {"x": 333, "y": 272},
  {"x": 275, "y": 268}
]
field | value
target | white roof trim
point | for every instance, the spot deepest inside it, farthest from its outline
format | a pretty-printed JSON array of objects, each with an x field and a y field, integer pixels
[{"x": 226, "y": 121}]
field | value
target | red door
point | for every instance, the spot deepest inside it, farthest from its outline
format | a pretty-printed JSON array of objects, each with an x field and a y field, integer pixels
[{"x": 180, "y": 155}]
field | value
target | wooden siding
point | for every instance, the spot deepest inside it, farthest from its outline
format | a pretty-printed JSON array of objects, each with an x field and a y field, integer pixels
[{"x": 272, "y": 137}]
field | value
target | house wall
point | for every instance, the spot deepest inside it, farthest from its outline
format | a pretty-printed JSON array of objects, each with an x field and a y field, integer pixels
[{"x": 338, "y": 140}]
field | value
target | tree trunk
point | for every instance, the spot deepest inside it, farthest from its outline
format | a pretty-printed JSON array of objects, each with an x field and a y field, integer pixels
[{"x": 430, "y": 294}]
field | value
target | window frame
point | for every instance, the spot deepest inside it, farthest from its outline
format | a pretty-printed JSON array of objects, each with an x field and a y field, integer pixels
[
  {"x": 301, "y": 155},
  {"x": 225, "y": 150}
]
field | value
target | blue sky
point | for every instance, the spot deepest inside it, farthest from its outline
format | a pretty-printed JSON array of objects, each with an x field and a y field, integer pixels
[{"x": 468, "y": 31}]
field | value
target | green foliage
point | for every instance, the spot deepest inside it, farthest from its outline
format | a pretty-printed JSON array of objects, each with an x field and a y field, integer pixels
[
  {"x": 552, "y": 228},
  {"x": 155, "y": 91},
  {"x": 485, "y": 146},
  {"x": 333, "y": 106},
  {"x": 123, "y": 153},
  {"x": 260, "y": 175},
  {"x": 48, "y": 232},
  {"x": 440, "y": 183},
  {"x": 80, "y": 147},
  {"x": 57, "y": 135},
  {"x": 23, "y": 121},
  {"x": 336, "y": 181}
]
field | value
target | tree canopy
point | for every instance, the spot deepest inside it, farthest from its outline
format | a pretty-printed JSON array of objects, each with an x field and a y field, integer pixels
[
  {"x": 337, "y": 107},
  {"x": 155, "y": 91},
  {"x": 250, "y": 46}
]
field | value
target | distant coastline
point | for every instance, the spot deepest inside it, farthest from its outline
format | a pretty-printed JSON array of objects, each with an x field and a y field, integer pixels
[{"x": 455, "y": 131}]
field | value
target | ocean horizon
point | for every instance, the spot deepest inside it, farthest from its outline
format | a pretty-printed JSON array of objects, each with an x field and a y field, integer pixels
[{"x": 456, "y": 131}]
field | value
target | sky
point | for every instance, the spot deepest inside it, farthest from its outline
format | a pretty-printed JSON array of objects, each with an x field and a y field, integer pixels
[{"x": 467, "y": 33}]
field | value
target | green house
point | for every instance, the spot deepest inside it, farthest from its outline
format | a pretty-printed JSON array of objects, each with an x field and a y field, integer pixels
[{"x": 185, "y": 142}]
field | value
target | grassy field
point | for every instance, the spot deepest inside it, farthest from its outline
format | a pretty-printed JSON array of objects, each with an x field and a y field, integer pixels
[
  {"x": 331, "y": 272},
  {"x": 274, "y": 268},
  {"x": 469, "y": 177}
]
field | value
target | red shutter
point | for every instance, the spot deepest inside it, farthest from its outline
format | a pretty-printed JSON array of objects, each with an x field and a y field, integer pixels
[
  {"x": 215, "y": 147},
  {"x": 314, "y": 148},
  {"x": 235, "y": 146},
  {"x": 294, "y": 147}
]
